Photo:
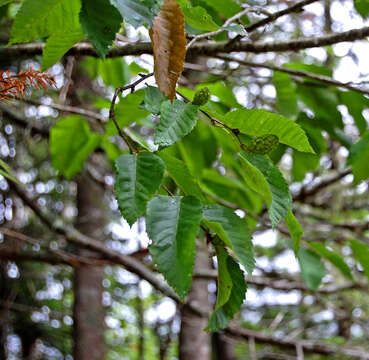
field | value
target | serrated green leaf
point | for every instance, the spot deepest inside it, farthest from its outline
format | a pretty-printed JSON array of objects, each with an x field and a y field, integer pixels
[
  {"x": 332, "y": 257},
  {"x": 233, "y": 231},
  {"x": 198, "y": 18},
  {"x": 179, "y": 172},
  {"x": 358, "y": 158},
  {"x": 138, "y": 178},
  {"x": 173, "y": 224},
  {"x": 361, "y": 253},
  {"x": 281, "y": 200},
  {"x": 100, "y": 21},
  {"x": 176, "y": 121},
  {"x": 228, "y": 270},
  {"x": 295, "y": 230},
  {"x": 71, "y": 142},
  {"x": 259, "y": 122},
  {"x": 138, "y": 12},
  {"x": 286, "y": 94},
  {"x": 153, "y": 99},
  {"x": 312, "y": 268}
]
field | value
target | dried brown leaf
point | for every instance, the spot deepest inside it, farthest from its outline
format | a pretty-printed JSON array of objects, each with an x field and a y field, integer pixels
[{"x": 169, "y": 46}]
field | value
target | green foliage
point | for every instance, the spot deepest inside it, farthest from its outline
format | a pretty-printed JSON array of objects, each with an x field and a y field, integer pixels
[
  {"x": 281, "y": 200},
  {"x": 138, "y": 12},
  {"x": 198, "y": 18},
  {"x": 361, "y": 253},
  {"x": 100, "y": 21},
  {"x": 6, "y": 171},
  {"x": 71, "y": 142},
  {"x": 57, "y": 20},
  {"x": 233, "y": 231},
  {"x": 332, "y": 257},
  {"x": 201, "y": 97},
  {"x": 231, "y": 291},
  {"x": 176, "y": 121},
  {"x": 173, "y": 224},
  {"x": 358, "y": 158},
  {"x": 362, "y": 7},
  {"x": 138, "y": 178},
  {"x": 286, "y": 94},
  {"x": 153, "y": 99},
  {"x": 263, "y": 144},
  {"x": 312, "y": 268},
  {"x": 295, "y": 230},
  {"x": 258, "y": 122}
]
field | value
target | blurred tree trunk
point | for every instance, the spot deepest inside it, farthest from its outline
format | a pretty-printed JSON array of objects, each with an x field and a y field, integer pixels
[
  {"x": 88, "y": 309},
  {"x": 194, "y": 343}
]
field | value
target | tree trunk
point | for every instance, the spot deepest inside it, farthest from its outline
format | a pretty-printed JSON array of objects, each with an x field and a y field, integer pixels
[
  {"x": 88, "y": 309},
  {"x": 194, "y": 342}
]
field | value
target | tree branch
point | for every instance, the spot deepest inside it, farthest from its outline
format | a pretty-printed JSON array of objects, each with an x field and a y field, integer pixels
[{"x": 202, "y": 48}]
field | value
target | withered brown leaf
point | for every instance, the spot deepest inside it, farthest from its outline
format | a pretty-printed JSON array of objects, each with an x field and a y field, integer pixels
[{"x": 169, "y": 45}]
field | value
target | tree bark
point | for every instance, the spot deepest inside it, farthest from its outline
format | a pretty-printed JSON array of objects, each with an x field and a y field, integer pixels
[
  {"x": 194, "y": 342},
  {"x": 88, "y": 308}
]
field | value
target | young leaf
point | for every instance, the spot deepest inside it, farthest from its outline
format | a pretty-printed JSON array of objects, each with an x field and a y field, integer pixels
[
  {"x": 176, "y": 121},
  {"x": 169, "y": 46},
  {"x": 153, "y": 100},
  {"x": 198, "y": 18},
  {"x": 259, "y": 122},
  {"x": 179, "y": 172},
  {"x": 100, "y": 22},
  {"x": 361, "y": 253},
  {"x": 281, "y": 200},
  {"x": 71, "y": 142},
  {"x": 231, "y": 291},
  {"x": 295, "y": 230},
  {"x": 172, "y": 224},
  {"x": 138, "y": 178},
  {"x": 138, "y": 12},
  {"x": 332, "y": 257},
  {"x": 312, "y": 268},
  {"x": 233, "y": 231}
]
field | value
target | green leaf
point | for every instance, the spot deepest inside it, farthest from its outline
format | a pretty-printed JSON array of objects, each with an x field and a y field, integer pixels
[
  {"x": 138, "y": 178},
  {"x": 173, "y": 224},
  {"x": 71, "y": 142},
  {"x": 55, "y": 19},
  {"x": 112, "y": 150},
  {"x": 361, "y": 253},
  {"x": 233, "y": 231},
  {"x": 261, "y": 122},
  {"x": 332, "y": 257},
  {"x": 5, "y": 2},
  {"x": 358, "y": 158},
  {"x": 179, "y": 172},
  {"x": 127, "y": 111},
  {"x": 231, "y": 291},
  {"x": 312, "y": 268},
  {"x": 100, "y": 21},
  {"x": 263, "y": 144},
  {"x": 176, "y": 121},
  {"x": 153, "y": 99},
  {"x": 237, "y": 28},
  {"x": 362, "y": 7},
  {"x": 198, "y": 18},
  {"x": 286, "y": 94},
  {"x": 295, "y": 230},
  {"x": 303, "y": 163},
  {"x": 224, "y": 8},
  {"x": 138, "y": 12},
  {"x": 6, "y": 171},
  {"x": 281, "y": 200}
]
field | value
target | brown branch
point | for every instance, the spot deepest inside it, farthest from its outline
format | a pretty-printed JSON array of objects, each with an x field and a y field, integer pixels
[
  {"x": 202, "y": 48},
  {"x": 324, "y": 79},
  {"x": 307, "y": 346}
]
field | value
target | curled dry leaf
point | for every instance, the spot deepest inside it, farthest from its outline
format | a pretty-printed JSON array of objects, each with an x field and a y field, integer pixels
[{"x": 169, "y": 46}]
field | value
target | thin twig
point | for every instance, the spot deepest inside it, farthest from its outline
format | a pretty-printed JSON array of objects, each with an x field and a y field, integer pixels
[{"x": 118, "y": 91}]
